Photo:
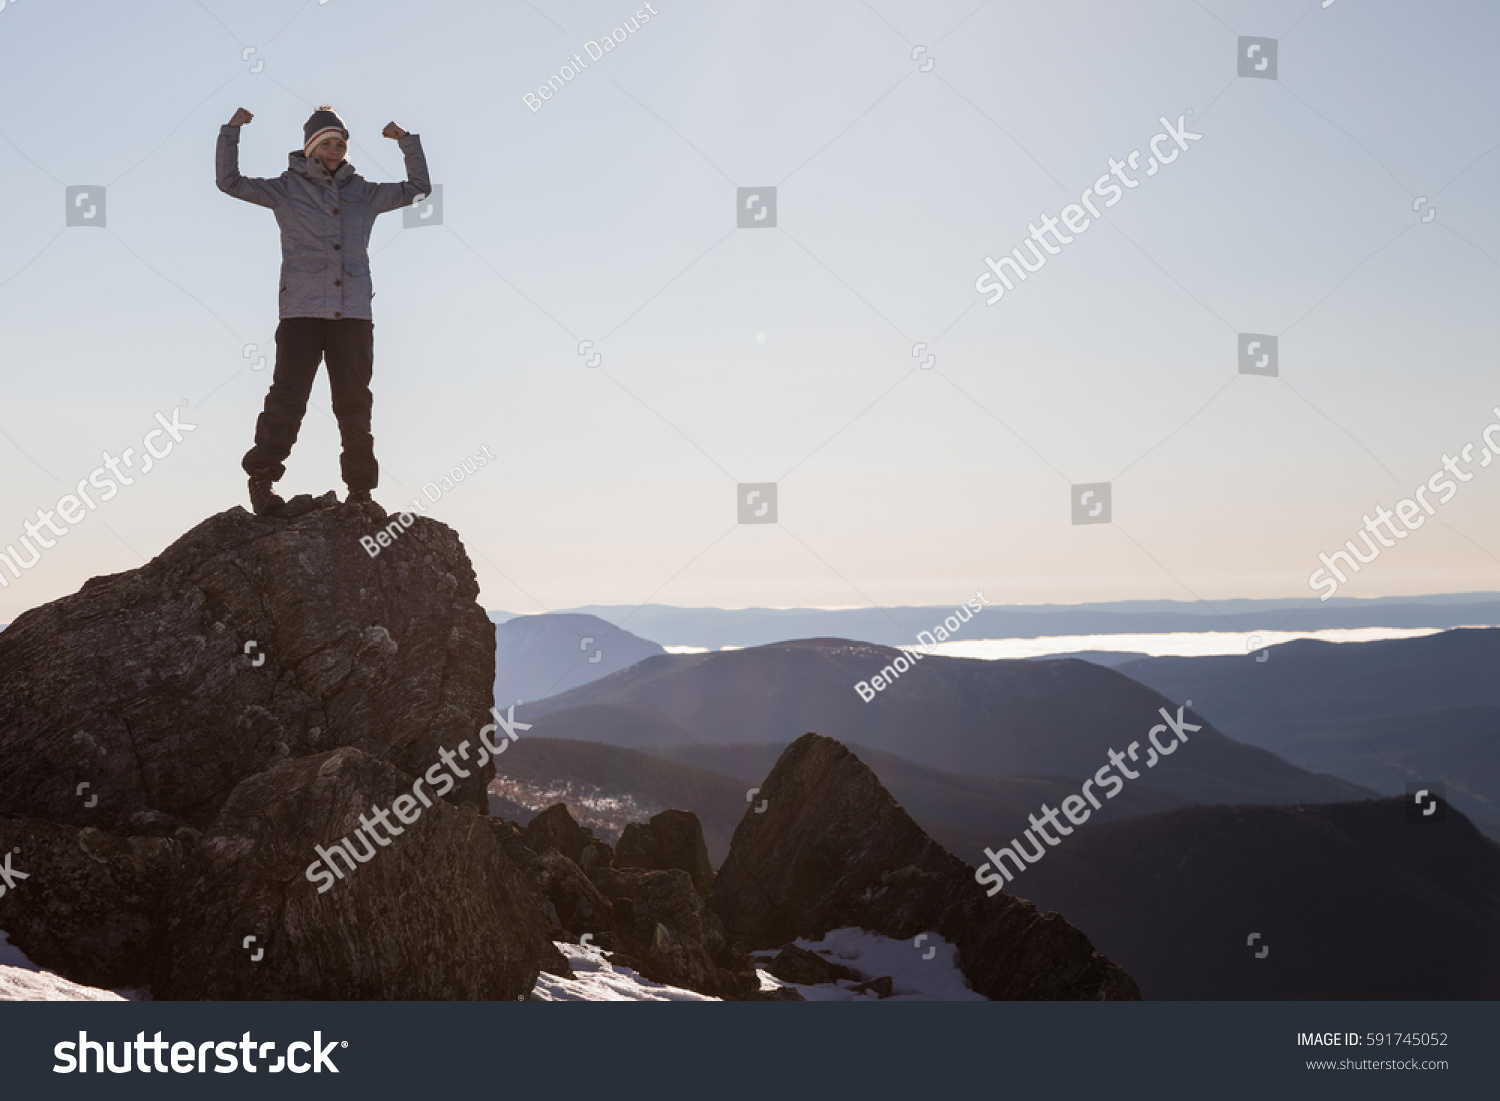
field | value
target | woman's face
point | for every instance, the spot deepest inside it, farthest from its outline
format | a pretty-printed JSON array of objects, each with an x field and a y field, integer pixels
[{"x": 331, "y": 151}]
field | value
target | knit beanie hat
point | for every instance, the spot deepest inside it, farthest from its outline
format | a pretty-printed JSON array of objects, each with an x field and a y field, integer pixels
[{"x": 324, "y": 123}]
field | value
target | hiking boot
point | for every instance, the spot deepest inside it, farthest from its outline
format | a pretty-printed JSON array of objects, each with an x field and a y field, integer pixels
[
  {"x": 263, "y": 500},
  {"x": 366, "y": 504}
]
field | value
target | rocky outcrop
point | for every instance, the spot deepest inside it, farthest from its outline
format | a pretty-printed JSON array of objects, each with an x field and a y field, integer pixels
[
  {"x": 85, "y": 903},
  {"x": 137, "y": 704},
  {"x": 653, "y": 921},
  {"x": 667, "y": 932},
  {"x": 833, "y": 849},
  {"x": 555, "y": 828},
  {"x": 807, "y": 968},
  {"x": 672, "y": 839},
  {"x": 435, "y": 910}
]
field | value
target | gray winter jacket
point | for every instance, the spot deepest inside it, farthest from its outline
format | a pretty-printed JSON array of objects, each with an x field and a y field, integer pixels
[{"x": 325, "y": 223}]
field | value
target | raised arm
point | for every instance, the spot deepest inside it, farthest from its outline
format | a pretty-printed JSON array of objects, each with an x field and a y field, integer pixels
[
  {"x": 252, "y": 189},
  {"x": 389, "y": 196}
]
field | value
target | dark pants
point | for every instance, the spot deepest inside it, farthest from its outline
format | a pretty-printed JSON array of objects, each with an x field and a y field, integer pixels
[{"x": 301, "y": 343}]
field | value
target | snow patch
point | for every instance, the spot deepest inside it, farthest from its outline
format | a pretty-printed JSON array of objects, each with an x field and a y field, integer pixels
[
  {"x": 595, "y": 979},
  {"x": 23, "y": 981},
  {"x": 913, "y": 977}
]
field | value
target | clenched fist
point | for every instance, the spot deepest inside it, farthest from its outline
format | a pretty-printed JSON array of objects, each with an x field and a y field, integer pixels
[
  {"x": 241, "y": 116},
  {"x": 392, "y": 131}
]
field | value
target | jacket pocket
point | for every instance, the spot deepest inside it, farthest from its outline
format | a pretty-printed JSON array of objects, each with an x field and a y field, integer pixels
[
  {"x": 306, "y": 263},
  {"x": 358, "y": 286}
]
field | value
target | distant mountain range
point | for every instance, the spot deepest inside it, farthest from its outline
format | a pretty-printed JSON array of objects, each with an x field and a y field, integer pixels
[
  {"x": 1381, "y": 714},
  {"x": 1350, "y": 900},
  {"x": 606, "y": 786},
  {"x": 542, "y": 655},
  {"x": 714, "y": 628},
  {"x": 980, "y": 718}
]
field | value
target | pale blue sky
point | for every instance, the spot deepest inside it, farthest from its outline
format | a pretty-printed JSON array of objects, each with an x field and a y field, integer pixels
[{"x": 784, "y": 354}]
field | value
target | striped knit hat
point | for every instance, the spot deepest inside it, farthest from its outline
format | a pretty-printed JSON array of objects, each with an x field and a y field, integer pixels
[{"x": 324, "y": 123}]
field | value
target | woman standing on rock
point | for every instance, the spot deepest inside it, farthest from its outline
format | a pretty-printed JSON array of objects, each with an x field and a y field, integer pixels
[{"x": 326, "y": 211}]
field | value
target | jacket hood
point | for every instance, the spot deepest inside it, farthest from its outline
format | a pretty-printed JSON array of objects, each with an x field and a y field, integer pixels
[{"x": 313, "y": 168}]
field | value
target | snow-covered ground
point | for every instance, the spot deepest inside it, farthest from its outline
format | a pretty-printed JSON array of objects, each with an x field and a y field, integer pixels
[
  {"x": 914, "y": 977},
  {"x": 596, "y": 980},
  {"x": 23, "y": 981}
]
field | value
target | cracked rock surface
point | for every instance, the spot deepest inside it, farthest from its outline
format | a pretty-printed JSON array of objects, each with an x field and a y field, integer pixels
[
  {"x": 91, "y": 904},
  {"x": 437, "y": 911},
  {"x": 246, "y": 643}
]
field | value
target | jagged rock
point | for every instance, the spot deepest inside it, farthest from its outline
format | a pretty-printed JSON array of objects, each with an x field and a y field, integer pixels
[
  {"x": 140, "y": 684},
  {"x": 833, "y": 849},
  {"x": 90, "y": 905},
  {"x": 880, "y": 987},
  {"x": 672, "y": 839},
  {"x": 555, "y": 828},
  {"x": 665, "y": 926},
  {"x": 798, "y": 965},
  {"x": 439, "y": 912},
  {"x": 580, "y": 907}
]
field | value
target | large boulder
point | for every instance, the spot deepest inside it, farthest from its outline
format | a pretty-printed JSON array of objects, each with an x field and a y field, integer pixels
[
  {"x": 672, "y": 839},
  {"x": 85, "y": 903},
  {"x": 555, "y": 828},
  {"x": 833, "y": 849},
  {"x": 667, "y": 932},
  {"x": 138, "y": 703},
  {"x": 437, "y": 911}
]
